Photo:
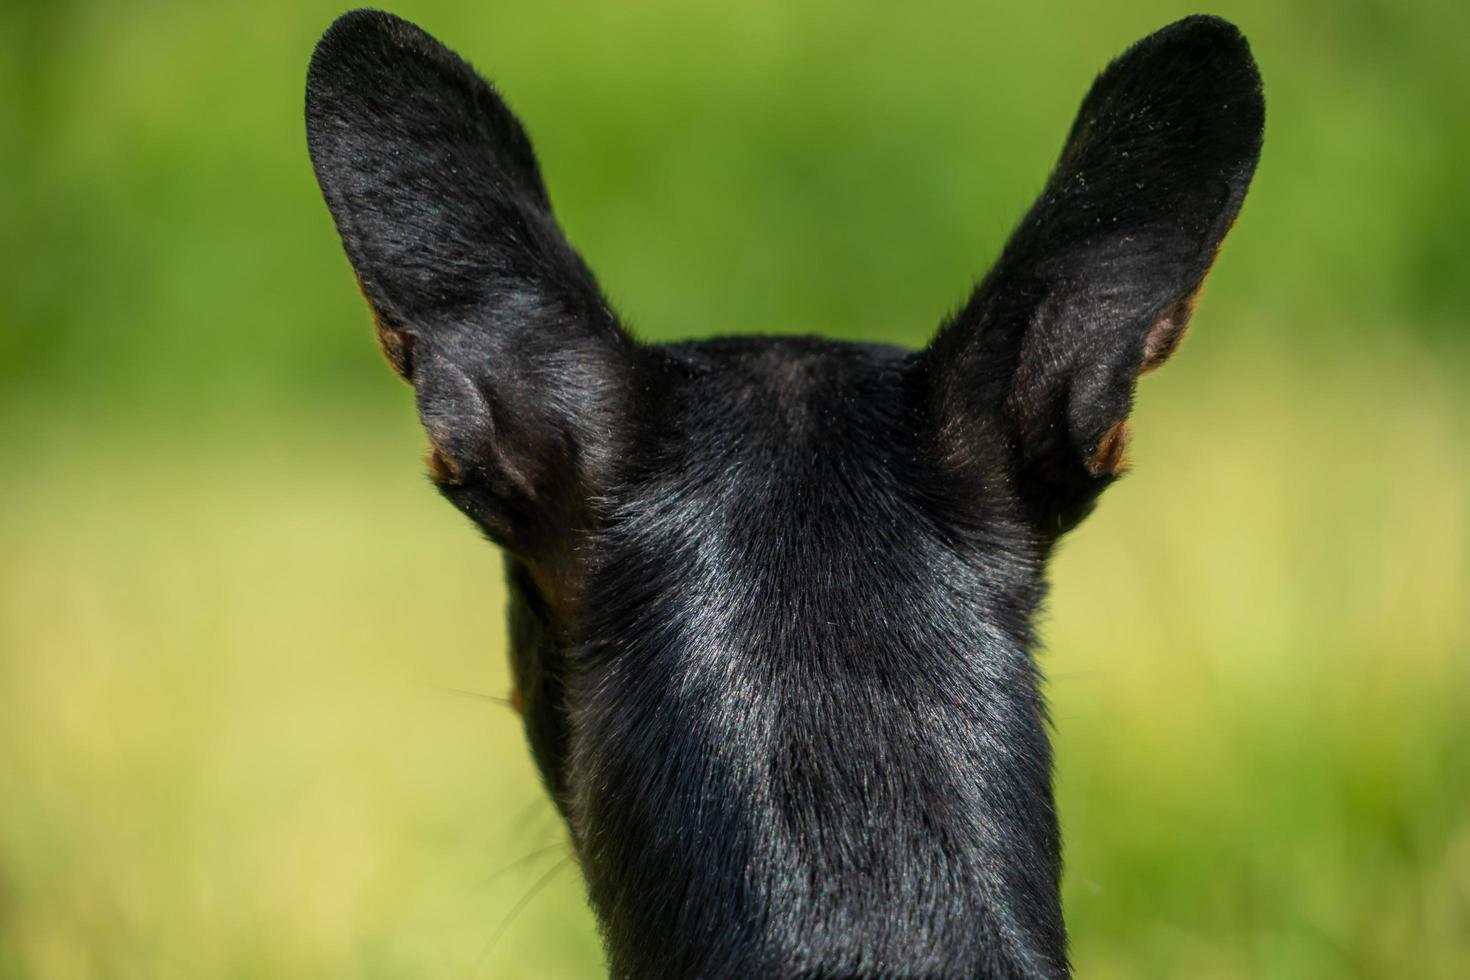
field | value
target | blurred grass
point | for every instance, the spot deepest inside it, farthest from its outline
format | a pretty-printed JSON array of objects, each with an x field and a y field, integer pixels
[
  {"x": 233, "y": 618},
  {"x": 767, "y": 165},
  {"x": 232, "y": 744}
]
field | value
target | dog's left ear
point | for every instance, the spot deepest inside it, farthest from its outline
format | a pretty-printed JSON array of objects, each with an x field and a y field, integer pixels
[
  {"x": 1097, "y": 283},
  {"x": 519, "y": 366}
]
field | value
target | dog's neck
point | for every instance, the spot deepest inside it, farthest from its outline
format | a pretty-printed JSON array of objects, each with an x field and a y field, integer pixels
[{"x": 828, "y": 753}]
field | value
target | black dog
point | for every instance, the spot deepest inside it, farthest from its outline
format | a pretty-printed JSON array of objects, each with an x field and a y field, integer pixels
[{"x": 772, "y": 597}]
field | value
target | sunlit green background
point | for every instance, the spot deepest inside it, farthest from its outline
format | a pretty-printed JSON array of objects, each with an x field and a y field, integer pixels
[{"x": 241, "y": 640}]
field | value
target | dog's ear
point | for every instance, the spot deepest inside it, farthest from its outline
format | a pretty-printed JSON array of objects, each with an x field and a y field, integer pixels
[
  {"x": 1097, "y": 283},
  {"x": 518, "y": 364}
]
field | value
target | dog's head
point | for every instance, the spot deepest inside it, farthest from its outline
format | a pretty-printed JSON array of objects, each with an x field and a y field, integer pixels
[{"x": 771, "y": 597}]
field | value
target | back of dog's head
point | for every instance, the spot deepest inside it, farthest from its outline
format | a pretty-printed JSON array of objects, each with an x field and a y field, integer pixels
[{"x": 772, "y": 598}]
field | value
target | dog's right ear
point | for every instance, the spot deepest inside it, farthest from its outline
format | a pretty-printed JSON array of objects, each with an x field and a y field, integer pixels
[
  {"x": 1097, "y": 284},
  {"x": 518, "y": 363}
]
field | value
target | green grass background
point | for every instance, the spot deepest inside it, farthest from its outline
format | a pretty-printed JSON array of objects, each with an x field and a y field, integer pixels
[{"x": 236, "y": 626}]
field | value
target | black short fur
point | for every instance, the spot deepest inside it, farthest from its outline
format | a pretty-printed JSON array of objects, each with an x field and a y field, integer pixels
[{"x": 772, "y": 597}]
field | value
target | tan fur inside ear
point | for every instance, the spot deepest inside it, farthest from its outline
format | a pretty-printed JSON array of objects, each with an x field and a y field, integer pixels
[
  {"x": 1166, "y": 333},
  {"x": 443, "y": 469},
  {"x": 396, "y": 345},
  {"x": 1110, "y": 457}
]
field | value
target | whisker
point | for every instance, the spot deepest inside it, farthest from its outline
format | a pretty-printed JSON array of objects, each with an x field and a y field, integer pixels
[
  {"x": 515, "y": 910},
  {"x": 521, "y": 861},
  {"x": 503, "y": 702},
  {"x": 524, "y": 820}
]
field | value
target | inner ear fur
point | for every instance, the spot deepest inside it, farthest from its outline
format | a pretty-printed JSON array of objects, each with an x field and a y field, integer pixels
[{"x": 1098, "y": 282}]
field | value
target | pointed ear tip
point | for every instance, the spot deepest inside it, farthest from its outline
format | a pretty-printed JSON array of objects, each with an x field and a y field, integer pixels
[
  {"x": 358, "y": 33},
  {"x": 1203, "y": 57},
  {"x": 1202, "y": 29},
  {"x": 350, "y": 29},
  {"x": 1214, "y": 35},
  {"x": 358, "y": 25},
  {"x": 1195, "y": 37}
]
